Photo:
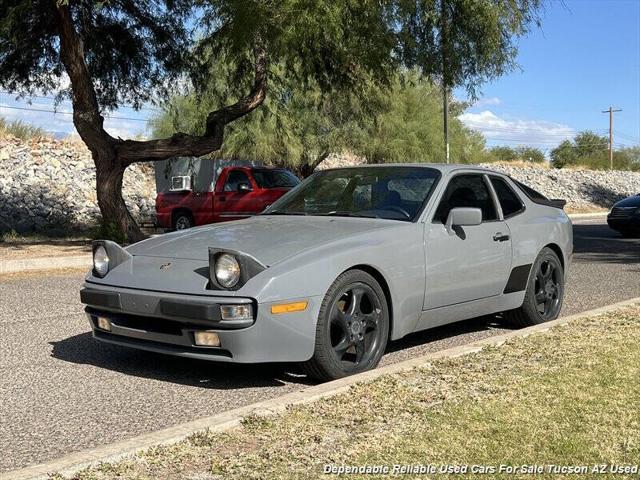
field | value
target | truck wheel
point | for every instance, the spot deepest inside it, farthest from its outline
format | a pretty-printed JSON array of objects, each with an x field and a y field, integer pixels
[
  {"x": 352, "y": 328},
  {"x": 544, "y": 294},
  {"x": 182, "y": 221}
]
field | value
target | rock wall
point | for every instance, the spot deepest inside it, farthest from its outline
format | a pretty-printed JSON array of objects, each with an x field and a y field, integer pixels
[
  {"x": 49, "y": 187},
  {"x": 584, "y": 190}
]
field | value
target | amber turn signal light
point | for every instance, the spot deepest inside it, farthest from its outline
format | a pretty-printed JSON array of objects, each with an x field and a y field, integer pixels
[{"x": 288, "y": 307}]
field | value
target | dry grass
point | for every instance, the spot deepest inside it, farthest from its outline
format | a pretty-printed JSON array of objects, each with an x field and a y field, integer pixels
[{"x": 567, "y": 397}]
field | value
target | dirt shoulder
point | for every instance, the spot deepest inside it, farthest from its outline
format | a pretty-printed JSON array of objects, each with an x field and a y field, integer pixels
[{"x": 41, "y": 248}]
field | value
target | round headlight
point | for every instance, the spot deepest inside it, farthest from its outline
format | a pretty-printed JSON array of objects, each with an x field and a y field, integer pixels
[
  {"x": 101, "y": 261},
  {"x": 227, "y": 270}
]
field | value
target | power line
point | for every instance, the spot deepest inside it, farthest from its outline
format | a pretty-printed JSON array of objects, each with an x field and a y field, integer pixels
[
  {"x": 6, "y": 92},
  {"x": 70, "y": 113}
]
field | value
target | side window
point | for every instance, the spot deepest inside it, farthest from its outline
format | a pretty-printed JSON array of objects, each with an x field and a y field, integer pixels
[
  {"x": 466, "y": 191},
  {"x": 234, "y": 179},
  {"x": 509, "y": 201}
]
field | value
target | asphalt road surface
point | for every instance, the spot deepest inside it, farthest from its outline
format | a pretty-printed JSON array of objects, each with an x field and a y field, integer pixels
[{"x": 63, "y": 392}]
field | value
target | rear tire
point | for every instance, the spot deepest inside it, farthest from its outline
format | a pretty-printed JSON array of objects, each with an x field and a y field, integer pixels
[
  {"x": 545, "y": 292},
  {"x": 352, "y": 329},
  {"x": 182, "y": 221}
]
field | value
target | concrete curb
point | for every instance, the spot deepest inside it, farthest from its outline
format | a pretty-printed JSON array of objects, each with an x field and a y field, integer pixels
[
  {"x": 578, "y": 216},
  {"x": 47, "y": 263},
  {"x": 75, "y": 462}
]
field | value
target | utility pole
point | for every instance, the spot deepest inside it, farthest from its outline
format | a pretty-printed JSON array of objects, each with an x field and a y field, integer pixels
[
  {"x": 610, "y": 112},
  {"x": 445, "y": 77}
]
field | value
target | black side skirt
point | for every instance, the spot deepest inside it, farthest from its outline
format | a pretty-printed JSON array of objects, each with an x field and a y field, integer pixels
[{"x": 518, "y": 279}]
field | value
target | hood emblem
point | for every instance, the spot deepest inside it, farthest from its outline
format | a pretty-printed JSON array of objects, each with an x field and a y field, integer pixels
[{"x": 164, "y": 266}]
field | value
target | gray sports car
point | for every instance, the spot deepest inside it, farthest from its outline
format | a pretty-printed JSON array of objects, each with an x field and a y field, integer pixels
[{"x": 340, "y": 265}]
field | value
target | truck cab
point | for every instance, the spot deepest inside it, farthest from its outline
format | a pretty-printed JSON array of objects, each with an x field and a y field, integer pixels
[{"x": 238, "y": 192}]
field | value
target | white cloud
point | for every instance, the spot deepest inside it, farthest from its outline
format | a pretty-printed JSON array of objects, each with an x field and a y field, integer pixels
[
  {"x": 487, "y": 101},
  {"x": 517, "y": 131}
]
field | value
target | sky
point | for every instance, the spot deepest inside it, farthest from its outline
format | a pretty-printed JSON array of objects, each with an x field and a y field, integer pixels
[{"x": 584, "y": 58}]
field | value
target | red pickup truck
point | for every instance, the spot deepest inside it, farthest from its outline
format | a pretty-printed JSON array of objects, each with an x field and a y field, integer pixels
[{"x": 239, "y": 192}]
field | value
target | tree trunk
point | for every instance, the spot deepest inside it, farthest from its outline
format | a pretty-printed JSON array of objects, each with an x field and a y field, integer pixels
[
  {"x": 116, "y": 219},
  {"x": 308, "y": 166},
  {"x": 111, "y": 156}
]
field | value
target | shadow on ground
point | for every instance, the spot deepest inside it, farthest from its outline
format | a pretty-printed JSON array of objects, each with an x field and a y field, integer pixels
[
  {"x": 83, "y": 349},
  {"x": 599, "y": 243}
]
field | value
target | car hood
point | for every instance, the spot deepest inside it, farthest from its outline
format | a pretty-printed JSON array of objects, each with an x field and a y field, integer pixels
[
  {"x": 267, "y": 238},
  {"x": 633, "y": 201}
]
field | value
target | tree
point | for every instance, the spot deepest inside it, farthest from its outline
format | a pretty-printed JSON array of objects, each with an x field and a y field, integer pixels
[
  {"x": 588, "y": 149},
  {"x": 504, "y": 154},
  {"x": 297, "y": 127},
  {"x": 125, "y": 51},
  {"x": 408, "y": 128},
  {"x": 563, "y": 155},
  {"x": 529, "y": 154},
  {"x": 129, "y": 51}
]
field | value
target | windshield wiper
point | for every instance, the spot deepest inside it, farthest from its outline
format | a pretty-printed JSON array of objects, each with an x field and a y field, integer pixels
[
  {"x": 344, "y": 213},
  {"x": 279, "y": 212}
]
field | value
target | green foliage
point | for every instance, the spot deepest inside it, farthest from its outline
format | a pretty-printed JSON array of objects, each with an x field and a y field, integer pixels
[
  {"x": 409, "y": 128},
  {"x": 22, "y": 130},
  {"x": 475, "y": 40},
  {"x": 107, "y": 230},
  {"x": 298, "y": 127},
  {"x": 591, "y": 150},
  {"x": 522, "y": 154},
  {"x": 133, "y": 48}
]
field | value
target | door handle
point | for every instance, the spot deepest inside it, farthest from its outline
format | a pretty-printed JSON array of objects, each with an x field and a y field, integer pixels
[
  {"x": 499, "y": 237},
  {"x": 222, "y": 199}
]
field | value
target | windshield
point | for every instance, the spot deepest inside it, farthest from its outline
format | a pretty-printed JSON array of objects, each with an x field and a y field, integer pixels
[
  {"x": 275, "y": 178},
  {"x": 394, "y": 193}
]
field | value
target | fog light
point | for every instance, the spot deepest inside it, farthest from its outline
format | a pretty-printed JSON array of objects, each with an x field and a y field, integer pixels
[
  {"x": 103, "y": 323},
  {"x": 207, "y": 339},
  {"x": 236, "y": 312}
]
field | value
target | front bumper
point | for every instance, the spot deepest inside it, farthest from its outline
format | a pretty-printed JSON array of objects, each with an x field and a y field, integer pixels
[
  {"x": 624, "y": 223},
  {"x": 165, "y": 323}
]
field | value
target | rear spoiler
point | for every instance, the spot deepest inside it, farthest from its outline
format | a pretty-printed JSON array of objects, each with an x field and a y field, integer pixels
[{"x": 557, "y": 203}]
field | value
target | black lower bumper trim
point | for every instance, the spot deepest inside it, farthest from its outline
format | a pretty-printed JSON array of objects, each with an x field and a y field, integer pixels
[
  {"x": 97, "y": 298},
  {"x": 159, "y": 347}
]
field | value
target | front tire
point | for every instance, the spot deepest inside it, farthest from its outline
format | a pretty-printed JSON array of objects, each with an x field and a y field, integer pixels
[
  {"x": 545, "y": 292},
  {"x": 352, "y": 329}
]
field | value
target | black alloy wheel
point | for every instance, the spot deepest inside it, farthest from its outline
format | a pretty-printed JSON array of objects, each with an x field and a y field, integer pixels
[
  {"x": 353, "y": 328},
  {"x": 548, "y": 288},
  {"x": 544, "y": 294}
]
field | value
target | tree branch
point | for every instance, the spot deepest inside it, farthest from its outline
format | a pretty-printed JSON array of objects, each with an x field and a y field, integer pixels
[
  {"x": 131, "y": 151},
  {"x": 86, "y": 112}
]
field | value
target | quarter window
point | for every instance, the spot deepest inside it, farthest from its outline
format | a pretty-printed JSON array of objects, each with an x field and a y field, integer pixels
[
  {"x": 467, "y": 191},
  {"x": 509, "y": 201}
]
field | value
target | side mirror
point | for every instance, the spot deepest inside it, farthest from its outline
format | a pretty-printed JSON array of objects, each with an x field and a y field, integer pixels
[
  {"x": 244, "y": 187},
  {"x": 463, "y": 217}
]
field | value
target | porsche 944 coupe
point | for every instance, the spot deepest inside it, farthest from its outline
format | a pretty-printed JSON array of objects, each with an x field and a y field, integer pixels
[{"x": 342, "y": 264}]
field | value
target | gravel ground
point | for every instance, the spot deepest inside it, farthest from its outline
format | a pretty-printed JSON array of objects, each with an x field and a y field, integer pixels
[{"x": 62, "y": 392}]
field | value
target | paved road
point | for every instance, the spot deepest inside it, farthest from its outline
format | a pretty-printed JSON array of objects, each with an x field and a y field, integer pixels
[{"x": 62, "y": 392}]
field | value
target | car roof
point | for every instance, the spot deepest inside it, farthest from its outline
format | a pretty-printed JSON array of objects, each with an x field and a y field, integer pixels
[{"x": 442, "y": 167}]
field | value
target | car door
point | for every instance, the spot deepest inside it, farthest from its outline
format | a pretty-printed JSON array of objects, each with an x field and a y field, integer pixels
[
  {"x": 231, "y": 202},
  {"x": 471, "y": 262}
]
